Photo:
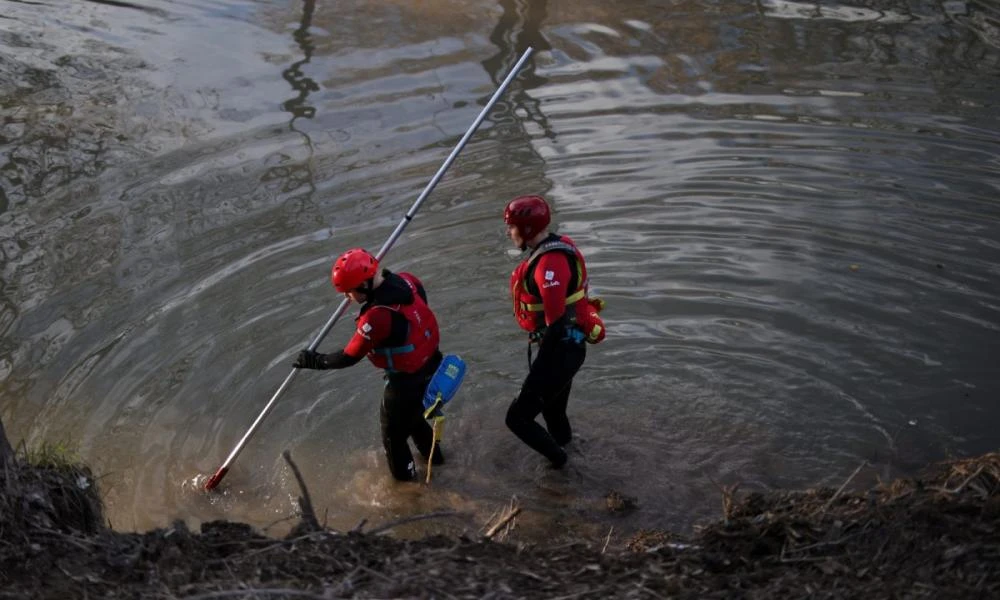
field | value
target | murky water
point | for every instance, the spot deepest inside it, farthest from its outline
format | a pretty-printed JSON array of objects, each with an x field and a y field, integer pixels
[{"x": 790, "y": 208}]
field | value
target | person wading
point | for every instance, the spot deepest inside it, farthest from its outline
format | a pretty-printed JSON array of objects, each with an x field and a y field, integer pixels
[
  {"x": 549, "y": 290},
  {"x": 399, "y": 333}
]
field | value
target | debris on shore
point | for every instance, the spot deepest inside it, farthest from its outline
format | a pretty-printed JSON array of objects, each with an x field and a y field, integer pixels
[{"x": 935, "y": 536}]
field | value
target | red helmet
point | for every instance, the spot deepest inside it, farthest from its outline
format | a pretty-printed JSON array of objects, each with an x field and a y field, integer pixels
[
  {"x": 529, "y": 214},
  {"x": 352, "y": 269}
]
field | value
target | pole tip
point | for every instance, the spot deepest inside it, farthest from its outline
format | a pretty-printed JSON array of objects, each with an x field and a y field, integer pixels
[{"x": 215, "y": 479}]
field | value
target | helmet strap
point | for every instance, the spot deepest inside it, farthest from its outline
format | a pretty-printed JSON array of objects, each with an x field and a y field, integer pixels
[{"x": 525, "y": 233}]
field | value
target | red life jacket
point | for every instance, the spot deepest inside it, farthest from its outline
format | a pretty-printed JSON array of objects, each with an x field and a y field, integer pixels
[
  {"x": 422, "y": 336},
  {"x": 581, "y": 310}
]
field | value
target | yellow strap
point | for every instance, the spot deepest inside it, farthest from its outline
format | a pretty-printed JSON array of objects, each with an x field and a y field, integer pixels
[
  {"x": 438, "y": 428},
  {"x": 571, "y": 299},
  {"x": 430, "y": 411}
]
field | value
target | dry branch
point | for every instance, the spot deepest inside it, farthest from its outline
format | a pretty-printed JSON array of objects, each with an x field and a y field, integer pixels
[
  {"x": 961, "y": 486},
  {"x": 305, "y": 503},
  {"x": 842, "y": 486},
  {"x": 512, "y": 512}
]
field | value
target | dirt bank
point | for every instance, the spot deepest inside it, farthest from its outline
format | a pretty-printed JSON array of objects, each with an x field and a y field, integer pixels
[{"x": 935, "y": 536}]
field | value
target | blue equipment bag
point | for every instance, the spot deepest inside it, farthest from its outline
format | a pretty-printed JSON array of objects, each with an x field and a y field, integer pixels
[{"x": 443, "y": 384}]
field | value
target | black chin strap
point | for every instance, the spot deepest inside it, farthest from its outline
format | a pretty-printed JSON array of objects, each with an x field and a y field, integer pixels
[{"x": 367, "y": 288}]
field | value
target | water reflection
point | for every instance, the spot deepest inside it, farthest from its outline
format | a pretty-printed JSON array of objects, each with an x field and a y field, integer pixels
[
  {"x": 519, "y": 27},
  {"x": 298, "y": 173},
  {"x": 294, "y": 75}
]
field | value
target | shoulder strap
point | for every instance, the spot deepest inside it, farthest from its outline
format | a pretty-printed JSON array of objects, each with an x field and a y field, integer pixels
[
  {"x": 552, "y": 245},
  {"x": 549, "y": 246}
]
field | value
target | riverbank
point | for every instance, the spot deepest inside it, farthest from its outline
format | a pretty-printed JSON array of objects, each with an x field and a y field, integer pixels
[{"x": 934, "y": 536}]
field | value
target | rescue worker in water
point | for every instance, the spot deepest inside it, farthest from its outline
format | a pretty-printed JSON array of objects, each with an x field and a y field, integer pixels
[
  {"x": 399, "y": 333},
  {"x": 549, "y": 290}
]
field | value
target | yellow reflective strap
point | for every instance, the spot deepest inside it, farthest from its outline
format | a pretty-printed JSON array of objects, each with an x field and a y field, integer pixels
[{"x": 571, "y": 299}]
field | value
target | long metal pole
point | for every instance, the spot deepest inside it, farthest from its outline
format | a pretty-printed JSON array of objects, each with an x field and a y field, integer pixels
[{"x": 214, "y": 480}]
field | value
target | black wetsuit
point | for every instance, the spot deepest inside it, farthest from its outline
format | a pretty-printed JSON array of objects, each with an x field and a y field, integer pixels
[
  {"x": 402, "y": 410},
  {"x": 546, "y": 388}
]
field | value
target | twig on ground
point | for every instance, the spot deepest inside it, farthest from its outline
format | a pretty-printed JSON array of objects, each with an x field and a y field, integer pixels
[
  {"x": 727, "y": 500},
  {"x": 375, "y": 573},
  {"x": 961, "y": 486},
  {"x": 501, "y": 519},
  {"x": 785, "y": 550},
  {"x": 607, "y": 540},
  {"x": 495, "y": 514},
  {"x": 359, "y": 526},
  {"x": 841, "y": 488},
  {"x": 728, "y": 491},
  {"x": 282, "y": 544},
  {"x": 346, "y": 585},
  {"x": 513, "y": 512},
  {"x": 77, "y": 541}
]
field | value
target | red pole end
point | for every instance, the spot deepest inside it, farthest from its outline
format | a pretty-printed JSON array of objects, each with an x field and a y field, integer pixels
[{"x": 215, "y": 479}]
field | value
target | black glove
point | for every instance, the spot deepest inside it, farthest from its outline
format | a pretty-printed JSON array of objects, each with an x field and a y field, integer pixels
[{"x": 310, "y": 359}]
